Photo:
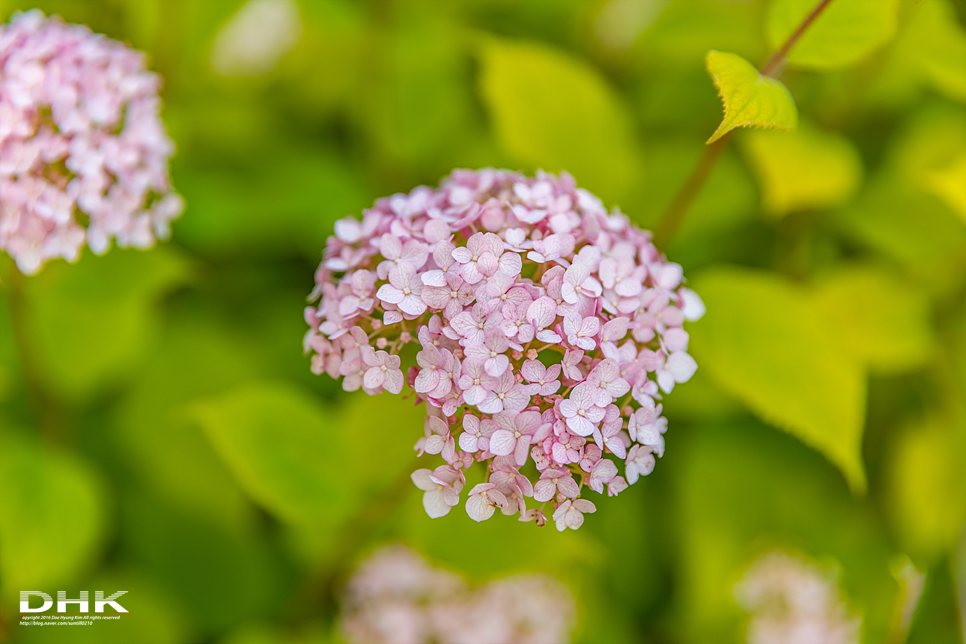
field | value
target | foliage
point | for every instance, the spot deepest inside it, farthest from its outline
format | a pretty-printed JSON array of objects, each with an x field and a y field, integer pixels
[
  {"x": 848, "y": 31},
  {"x": 182, "y": 449},
  {"x": 750, "y": 99}
]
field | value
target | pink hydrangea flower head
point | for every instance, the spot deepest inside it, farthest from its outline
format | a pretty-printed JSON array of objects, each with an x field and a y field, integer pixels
[
  {"x": 548, "y": 330},
  {"x": 790, "y": 599},
  {"x": 83, "y": 152},
  {"x": 397, "y": 597}
]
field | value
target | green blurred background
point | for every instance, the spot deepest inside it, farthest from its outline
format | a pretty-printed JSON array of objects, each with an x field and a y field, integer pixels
[{"x": 185, "y": 452}]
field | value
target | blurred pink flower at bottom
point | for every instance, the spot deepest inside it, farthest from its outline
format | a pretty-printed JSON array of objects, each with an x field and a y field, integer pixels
[{"x": 396, "y": 597}]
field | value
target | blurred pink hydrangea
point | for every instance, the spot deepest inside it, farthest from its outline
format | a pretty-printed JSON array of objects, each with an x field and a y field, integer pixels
[
  {"x": 532, "y": 323},
  {"x": 793, "y": 602},
  {"x": 83, "y": 152},
  {"x": 395, "y": 597}
]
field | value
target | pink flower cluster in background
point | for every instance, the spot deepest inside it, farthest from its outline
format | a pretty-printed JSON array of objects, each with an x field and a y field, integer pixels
[
  {"x": 83, "y": 152},
  {"x": 794, "y": 602},
  {"x": 533, "y": 324},
  {"x": 395, "y": 597}
]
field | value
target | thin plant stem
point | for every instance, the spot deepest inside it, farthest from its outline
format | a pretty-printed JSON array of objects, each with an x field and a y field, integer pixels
[
  {"x": 673, "y": 217},
  {"x": 773, "y": 64}
]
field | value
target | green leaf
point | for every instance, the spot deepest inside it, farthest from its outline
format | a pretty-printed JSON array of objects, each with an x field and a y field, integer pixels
[
  {"x": 881, "y": 319},
  {"x": 555, "y": 112},
  {"x": 52, "y": 515},
  {"x": 802, "y": 170},
  {"x": 931, "y": 245},
  {"x": 95, "y": 319},
  {"x": 844, "y": 33},
  {"x": 763, "y": 342},
  {"x": 938, "y": 41},
  {"x": 927, "y": 487},
  {"x": 930, "y": 141},
  {"x": 928, "y": 53},
  {"x": 949, "y": 184},
  {"x": 685, "y": 31},
  {"x": 938, "y": 617},
  {"x": 302, "y": 461},
  {"x": 750, "y": 99},
  {"x": 281, "y": 446},
  {"x": 701, "y": 401}
]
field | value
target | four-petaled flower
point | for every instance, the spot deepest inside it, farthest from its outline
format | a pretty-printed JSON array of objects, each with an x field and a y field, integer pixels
[
  {"x": 581, "y": 410},
  {"x": 483, "y": 501},
  {"x": 492, "y": 352},
  {"x": 578, "y": 282},
  {"x": 438, "y": 439},
  {"x": 383, "y": 371},
  {"x": 607, "y": 384},
  {"x": 555, "y": 481},
  {"x": 475, "y": 382},
  {"x": 580, "y": 333},
  {"x": 442, "y": 487},
  {"x": 404, "y": 289},
  {"x": 476, "y": 433},
  {"x": 640, "y": 462},
  {"x": 570, "y": 514},
  {"x": 514, "y": 434},
  {"x": 543, "y": 380},
  {"x": 450, "y": 297},
  {"x": 507, "y": 394},
  {"x": 397, "y": 253}
]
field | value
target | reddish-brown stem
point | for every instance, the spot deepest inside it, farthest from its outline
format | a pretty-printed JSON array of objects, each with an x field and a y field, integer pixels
[
  {"x": 674, "y": 215},
  {"x": 774, "y": 62}
]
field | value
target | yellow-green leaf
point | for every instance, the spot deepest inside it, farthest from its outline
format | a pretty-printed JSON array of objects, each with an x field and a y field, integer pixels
[
  {"x": 52, "y": 515},
  {"x": 297, "y": 457},
  {"x": 763, "y": 342},
  {"x": 949, "y": 184},
  {"x": 802, "y": 170},
  {"x": 930, "y": 51},
  {"x": 555, "y": 112},
  {"x": 927, "y": 487},
  {"x": 931, "y": 244},
  {"x": 750, "y": 99},
  {"x": 277, "y": 441},
  {"x": 881, "y": 319},
  {"x": 940, "y": 43},
  {"x": 844, "y": 33}
]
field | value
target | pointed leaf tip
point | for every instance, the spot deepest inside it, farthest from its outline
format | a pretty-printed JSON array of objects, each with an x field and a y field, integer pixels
[{"x": 750, "y": 99}]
